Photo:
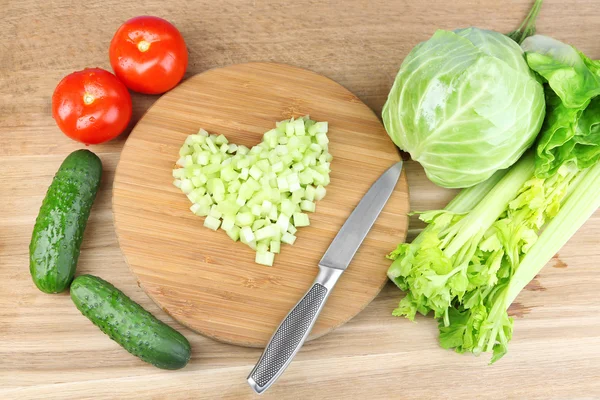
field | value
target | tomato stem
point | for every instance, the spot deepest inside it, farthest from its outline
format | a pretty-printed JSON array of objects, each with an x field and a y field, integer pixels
[
  {"x": 88, "y": 98},
  {"x": 143, "y": 46}
]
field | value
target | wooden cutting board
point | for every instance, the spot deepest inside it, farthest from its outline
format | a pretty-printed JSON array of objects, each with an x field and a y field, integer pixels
[{"x": 202, "y": 278}]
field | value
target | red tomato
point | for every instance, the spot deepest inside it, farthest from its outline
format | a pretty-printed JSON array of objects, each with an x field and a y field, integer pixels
[
  {"x": 148, "y": 54},
  {"x": 91, "y": 106}
]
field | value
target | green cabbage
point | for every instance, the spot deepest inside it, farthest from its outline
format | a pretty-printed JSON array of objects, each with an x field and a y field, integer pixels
[{"x": 464, "y": 104}]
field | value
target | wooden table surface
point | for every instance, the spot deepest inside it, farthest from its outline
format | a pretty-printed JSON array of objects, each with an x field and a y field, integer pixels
[{"x": 48, "y": 350}]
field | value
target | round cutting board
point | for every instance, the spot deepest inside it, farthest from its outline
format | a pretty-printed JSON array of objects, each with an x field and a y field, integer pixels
[{"x": 203, "y": 279}]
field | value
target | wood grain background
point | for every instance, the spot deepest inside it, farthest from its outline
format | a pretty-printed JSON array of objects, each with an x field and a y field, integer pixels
[{"x": 48, "y": 350}]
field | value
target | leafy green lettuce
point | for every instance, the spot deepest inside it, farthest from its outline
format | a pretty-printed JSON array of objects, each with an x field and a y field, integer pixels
[{"x": 571, "y": 132}]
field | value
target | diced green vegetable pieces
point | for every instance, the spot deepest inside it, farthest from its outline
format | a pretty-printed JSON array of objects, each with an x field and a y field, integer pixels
[
  {"x": 214, "y": 212},
  {"x": 212, "y": 223},
  {"x": 244, "y": 219},
  {"x": 306, "y": 205},
  {"x": 275, "y": 246},
  {"x": 228, "y": 222},
  {"x": 320, "y": 192},
  {"x": 260, "y": 195},
  {"x": 288, "y": 238},
  {"x": 265, "y": 258},
  {"x": 234, "y": 233},
  {"x": 246, "y": 235},
  {"x": 301, "y": 219},
  {"x": 187, "y": 186},
  {"x": 268, "y": 232}
]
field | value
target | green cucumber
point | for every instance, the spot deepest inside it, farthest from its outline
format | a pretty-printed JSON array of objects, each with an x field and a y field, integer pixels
[
  {"x": 59, "y": 227},
  {"x": 128, "y": 324}
]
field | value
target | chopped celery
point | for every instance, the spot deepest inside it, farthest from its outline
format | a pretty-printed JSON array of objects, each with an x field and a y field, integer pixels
[
  {"x": 256, "y": 210},
  {"x": 214, "y": 212},
  {"x": 320, "y": 192},
  {"x": 277, "y": 167},
  {"x": 283, "y": 221},
  {"x": 282, "y": 184},
  {"x": 289, "y": 129},
  {"x": 199, "y": 181},
  {"x": 228, "y": 208},
  {"x": 246, "y": 234},
  {"x": 216, "y": 159},
  {"x": 179, "y": 173},
  {"x": 306, "y": 205},
  {"x": 187, "y": 186},
  {"x": 221, "y": 140},
  {"x": 265, "y": 258},
  {"x": 294, "y": 186},
  {"x": 321, "y": 127},
  {"x": 262, "y": 246},
  {"x": 264, "y": 165},
  {"x": 322, "y": 139},
  {"x": 267, "y": 232},
  {"x": 195, "y": 208},
  {"x": 275, "y": 246},
  {"x": 266, "y": 207},
  {"x": 185, "y": 149},
  {"x": 203, "y": 158},
  {"x": 301, "y": 219},
  {"x": 258, "y": 195},
  {"x": 255, "y": 172},
  {"x": 212, "y": 223},
  {"x": 287, "y": 207},
  {"x": 215, "y": 185},
  {"x": 242, "y": 150},
  {"x": 228, "y": 222},
  {"x": 309, "y": 193},
  {"x": 211, "y": 169},
  {"x": 234, "y": 233},
  {"x": 228, "y": 173},
  {"x": 234, "y": 186},
  {"x": 211, "y": 145},
  {"x": 288, "y": 238},
  {"x": 298, "y": 195},
  {"x": 305, "y": 177},
  {"x": 299, "y": 127},
  {"x": 197, "y": 194},
  {"x": 244, "y": 219},
  {"x": 257, "y": 224}
]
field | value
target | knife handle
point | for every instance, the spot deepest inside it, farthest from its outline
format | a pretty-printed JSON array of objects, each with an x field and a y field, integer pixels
[{"x": 292, "y": 332}]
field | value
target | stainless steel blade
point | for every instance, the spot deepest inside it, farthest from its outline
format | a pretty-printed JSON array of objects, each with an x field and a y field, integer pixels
[{"x": 355, "y": 229}]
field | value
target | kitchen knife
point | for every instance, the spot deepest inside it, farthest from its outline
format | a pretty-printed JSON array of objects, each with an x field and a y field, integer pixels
[{"x": 296, "y": 326}]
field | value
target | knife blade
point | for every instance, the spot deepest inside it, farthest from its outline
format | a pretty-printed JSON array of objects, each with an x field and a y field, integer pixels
[
  {"x": 296, "y": 326},
  {"x": 359, "y": 223}
]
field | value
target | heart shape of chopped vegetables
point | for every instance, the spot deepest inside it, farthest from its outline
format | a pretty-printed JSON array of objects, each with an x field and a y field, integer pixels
[{"x": 261, "y": 195}]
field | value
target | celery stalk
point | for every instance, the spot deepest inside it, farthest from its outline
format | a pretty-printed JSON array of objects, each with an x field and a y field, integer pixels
[{"x": 581, "y": 203}]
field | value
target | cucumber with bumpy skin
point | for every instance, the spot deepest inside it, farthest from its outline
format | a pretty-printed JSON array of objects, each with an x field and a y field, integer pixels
[
  {"x": 128, "y": 324},
  {"x": 59, "y": 227}
]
